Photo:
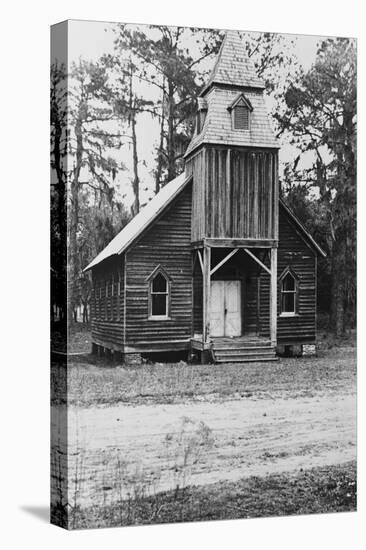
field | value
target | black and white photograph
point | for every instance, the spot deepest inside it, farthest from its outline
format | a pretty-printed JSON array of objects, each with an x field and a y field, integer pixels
[{"x": 203, "y": 301}]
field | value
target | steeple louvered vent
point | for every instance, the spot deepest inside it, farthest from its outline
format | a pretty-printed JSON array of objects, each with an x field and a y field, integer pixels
[{"x": 241, "y": 117}]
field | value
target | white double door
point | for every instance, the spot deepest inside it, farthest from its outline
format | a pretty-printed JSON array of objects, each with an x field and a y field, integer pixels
[{"x": 225, "y": 308}]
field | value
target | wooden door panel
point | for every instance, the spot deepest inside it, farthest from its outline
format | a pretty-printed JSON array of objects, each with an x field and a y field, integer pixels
[
  {"x": 232, "y": 308},
  {"x": 217, "y": 309}
]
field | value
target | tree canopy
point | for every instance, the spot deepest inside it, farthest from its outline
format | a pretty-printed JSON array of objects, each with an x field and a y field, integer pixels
[
  {"x": 320, "y": 119},
  {"x": 157, "y": 72}
]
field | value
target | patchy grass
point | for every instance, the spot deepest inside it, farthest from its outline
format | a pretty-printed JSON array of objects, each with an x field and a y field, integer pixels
[
  {"x": 79, "y": 340},
  {"x": 318, "y": 490},
  {"x": 92, "y": 381}
]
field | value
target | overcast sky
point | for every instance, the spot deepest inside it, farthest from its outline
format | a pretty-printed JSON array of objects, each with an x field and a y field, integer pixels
[{"x": 91, "y": 39}]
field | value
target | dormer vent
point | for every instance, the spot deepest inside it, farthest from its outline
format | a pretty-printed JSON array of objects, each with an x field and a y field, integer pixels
[{"x": 240, "y": 110}]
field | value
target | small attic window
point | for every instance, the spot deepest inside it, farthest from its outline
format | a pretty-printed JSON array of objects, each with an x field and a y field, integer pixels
[{"x": 241, "y": 117}]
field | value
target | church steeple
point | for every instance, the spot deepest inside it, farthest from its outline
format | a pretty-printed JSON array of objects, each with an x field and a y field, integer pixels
[
  {"x": 233, "y": 67},
  {"x": 231, "y": 107}
]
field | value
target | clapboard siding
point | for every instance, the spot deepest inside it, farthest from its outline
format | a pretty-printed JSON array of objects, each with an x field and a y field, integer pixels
[
  {"x": 107, "y": 303},
  {"x": 293, "y": 252},
  {"x": 165, "y": 243},
  {"x": 196, "y": 166},
  {"x": 197, "y": 299},
  {"x": 218, "y": 127},
  {"x": 251, "y": 316},
  {"x": 234, "y": 193}
]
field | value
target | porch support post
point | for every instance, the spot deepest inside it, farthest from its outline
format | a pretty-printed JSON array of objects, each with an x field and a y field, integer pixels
[
  {"x": 274, "y": 296},
  {"x": 206, "y": 292}
]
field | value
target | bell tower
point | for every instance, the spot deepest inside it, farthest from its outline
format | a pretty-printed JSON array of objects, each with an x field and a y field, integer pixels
[
  {"x": 233, "y": 154},
  {"x": 233, "y": 157}
]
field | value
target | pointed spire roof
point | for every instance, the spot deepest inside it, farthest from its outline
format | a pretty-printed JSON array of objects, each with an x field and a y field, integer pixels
[
  {"x": 233, "y": 79},
  {"x": 233, "y": 67}
]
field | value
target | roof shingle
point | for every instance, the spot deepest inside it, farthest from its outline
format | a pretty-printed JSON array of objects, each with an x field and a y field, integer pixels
[
  {"x": 233, "y": 67},
  {"x": 232, "y": 76}
]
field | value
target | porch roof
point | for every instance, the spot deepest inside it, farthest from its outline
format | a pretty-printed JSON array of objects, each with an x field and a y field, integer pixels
[{"x": 142, "y": 220}]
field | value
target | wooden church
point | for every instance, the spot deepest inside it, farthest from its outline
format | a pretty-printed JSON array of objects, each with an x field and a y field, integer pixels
[{"x": 215, "y": 264}]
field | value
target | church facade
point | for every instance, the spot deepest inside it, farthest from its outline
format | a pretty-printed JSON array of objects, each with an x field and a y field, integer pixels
[{"x": 216, "y": 263}]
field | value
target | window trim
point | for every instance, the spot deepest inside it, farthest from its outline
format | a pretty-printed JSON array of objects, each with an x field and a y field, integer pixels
[
  {"x": 295, "y": 313},
  {"x": 166, "y": 317}
]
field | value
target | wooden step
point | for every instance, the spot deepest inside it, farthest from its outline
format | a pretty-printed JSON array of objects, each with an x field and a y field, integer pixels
[
  {"x": 219, "y": 344},
  {"x": 236, "y": 350},
  {"x": 245, "y": 359},
  {"x": 251, "y": 353},
  {"x": 244, "y": 351}
]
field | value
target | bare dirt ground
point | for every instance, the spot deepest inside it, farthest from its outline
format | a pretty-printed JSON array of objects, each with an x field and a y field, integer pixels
[{"x": 124, "y": 450}]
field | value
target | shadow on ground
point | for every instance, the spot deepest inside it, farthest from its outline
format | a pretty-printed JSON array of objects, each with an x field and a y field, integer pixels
[{"x": 40, "y": 512}]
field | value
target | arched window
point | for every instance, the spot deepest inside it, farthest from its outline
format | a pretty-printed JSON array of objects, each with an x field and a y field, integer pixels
[
  {"x": 159, "y": 294},
  {"x": 289, "y": 293}
]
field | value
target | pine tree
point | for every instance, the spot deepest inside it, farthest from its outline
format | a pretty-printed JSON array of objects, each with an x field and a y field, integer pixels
[{"x": 320, "y": 117}]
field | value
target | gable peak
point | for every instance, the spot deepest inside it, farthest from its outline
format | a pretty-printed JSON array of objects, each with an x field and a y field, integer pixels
[{"x": 240, "y": 100}]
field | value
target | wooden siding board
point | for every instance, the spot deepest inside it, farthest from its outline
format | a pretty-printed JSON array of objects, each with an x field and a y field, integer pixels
[
  {"x": 293, "y": 252},
  {"x": 197, "y": 299},
  {"x": 167, "y": 242},
  {"x": 232, "y": 194},
  {"x": 107, "y": 312},
  {"x": 269, "y": 185}
]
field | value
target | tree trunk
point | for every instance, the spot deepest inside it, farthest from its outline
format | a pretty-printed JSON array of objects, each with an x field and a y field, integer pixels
[
  {"x": 74, "y": 220},
  {"x": 159, "y": 168},
  {"x": 170, "y": 143},
  {"x": 85, "y": 312},
  {"x": 136, "y": 180},
  {"x": 59, "y": 245},
  {"x": 337, "y": 313}
]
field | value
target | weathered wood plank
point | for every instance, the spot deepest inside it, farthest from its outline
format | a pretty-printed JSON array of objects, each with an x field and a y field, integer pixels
[
  {"x": 206, "y": 292},
  {"x": 228, "y": 194},
  {"x": 235, "y": 194},
  {"x": 231, "y": 243},
  {"x": 274, "y": 296},
  {"x": 293, "y": 252},
  {"x": 166, "y": 243}
]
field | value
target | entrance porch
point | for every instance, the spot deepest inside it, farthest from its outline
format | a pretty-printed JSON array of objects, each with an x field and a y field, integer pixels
[{"x": 234, "y": 315}]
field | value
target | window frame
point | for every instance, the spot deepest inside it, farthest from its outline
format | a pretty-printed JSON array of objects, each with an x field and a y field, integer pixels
[
  {"x": 295, "y": 292},
  {"x": 151, "y": 317}
]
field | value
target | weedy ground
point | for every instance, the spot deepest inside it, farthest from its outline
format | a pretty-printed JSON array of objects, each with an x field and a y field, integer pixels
[
  {"x": 314, "y": 491},
  {"x": 298, "y": 413},
  {"x": 93, "y": 381}
]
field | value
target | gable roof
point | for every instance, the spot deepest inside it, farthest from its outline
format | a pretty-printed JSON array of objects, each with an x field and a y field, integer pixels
[
  {"x": 233, "y": 67},
  {"x": 142, "y": 220},
  {"x": 240, "y": 100},
  {"x": 302, "y": 229}
]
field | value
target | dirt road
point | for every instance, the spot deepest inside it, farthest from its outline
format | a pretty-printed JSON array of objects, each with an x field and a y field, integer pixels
[{"x": 125, "y": 450}]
